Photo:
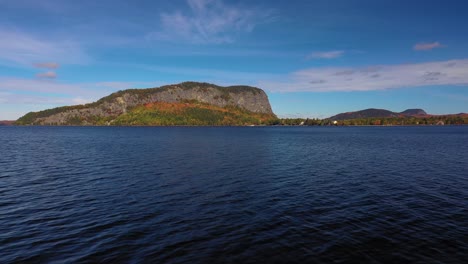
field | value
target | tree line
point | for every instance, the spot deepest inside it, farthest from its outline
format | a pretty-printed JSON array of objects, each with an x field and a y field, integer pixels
[{"x": 377, "y": 121}]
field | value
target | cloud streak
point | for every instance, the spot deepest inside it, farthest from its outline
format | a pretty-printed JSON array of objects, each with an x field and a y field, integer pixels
[
  {"x": 377, "y": 77},
  {"x": 47, "y": 75},
  {"x": 208, "y": 22},
  {"x": 325, "y": 55},
  {"x": 47, "y": 86},
  {"x": 39, "y": 94},
  {"x": 26, "y": 49},
  {"x": 427, "y": 46},
  {"x": 47, "y": 65},
  {"x": 14, "y": 85}
]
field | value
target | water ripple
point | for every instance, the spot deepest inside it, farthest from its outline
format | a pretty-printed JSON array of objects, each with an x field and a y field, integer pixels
[{"x": 233, "y": 195}]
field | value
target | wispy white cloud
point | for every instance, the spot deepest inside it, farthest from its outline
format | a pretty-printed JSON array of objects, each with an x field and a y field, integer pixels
[
  {"x": 28, "y": 49},
  {"x": 40, "y": 94},
  {"x": 47, "y": 75},
  {"x": 3, "y": 96},
  {"x": 377, "y": 77},
  {"x": 47, "y": 86},
  {"x": 424, "y": 46},
  {"x": 24, "y": 88},
  {"x": 33, "y": 99},
  {"x": 325, "y": 54},
  {"x": 35, "y": 86},
  {"x": 208, "y": 22},
  {"x": 46, "y": 65}
]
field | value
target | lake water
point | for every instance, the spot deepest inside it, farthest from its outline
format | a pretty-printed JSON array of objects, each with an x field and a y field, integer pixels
[{"x": 233, "y": 195}]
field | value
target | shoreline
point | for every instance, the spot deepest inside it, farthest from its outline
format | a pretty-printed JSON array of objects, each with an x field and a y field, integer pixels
[{"x": 450, "y": 125}]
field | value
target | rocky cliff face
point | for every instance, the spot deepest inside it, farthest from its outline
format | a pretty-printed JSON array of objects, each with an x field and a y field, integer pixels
[{"x": 249, "y": 98}]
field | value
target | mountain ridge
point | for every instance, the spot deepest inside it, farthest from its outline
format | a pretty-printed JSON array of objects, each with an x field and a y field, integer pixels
[{"x": 251, "y": 99}]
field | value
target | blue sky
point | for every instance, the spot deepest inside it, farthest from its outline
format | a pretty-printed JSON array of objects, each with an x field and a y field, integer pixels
[{"x": 313, "y": 58}]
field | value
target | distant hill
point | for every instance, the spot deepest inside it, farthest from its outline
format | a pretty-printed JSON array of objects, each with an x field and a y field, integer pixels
[
  {"x": 385, "y": 117},
  {"x": 382, "y": 113},
  {"x": 372, "y": 113},
  {"x": 414, "y": 112},
  {"x": 188, "y": 103},
  {"x": 6, "y": 122}
]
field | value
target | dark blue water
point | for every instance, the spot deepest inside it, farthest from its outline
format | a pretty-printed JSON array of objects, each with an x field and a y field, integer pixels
[{"x": 234, "y": 195}]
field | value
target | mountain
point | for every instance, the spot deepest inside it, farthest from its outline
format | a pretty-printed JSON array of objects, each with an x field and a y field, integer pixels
[
  {"x": 414, "y": 112},
  {"x": 188, "y": 103},
  {"x": 373, "y": 113},
  {"x": 385, "y": 117}
]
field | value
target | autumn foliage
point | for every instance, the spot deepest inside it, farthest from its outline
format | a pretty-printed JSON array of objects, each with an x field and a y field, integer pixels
[{"x": 191, "y": 113}]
